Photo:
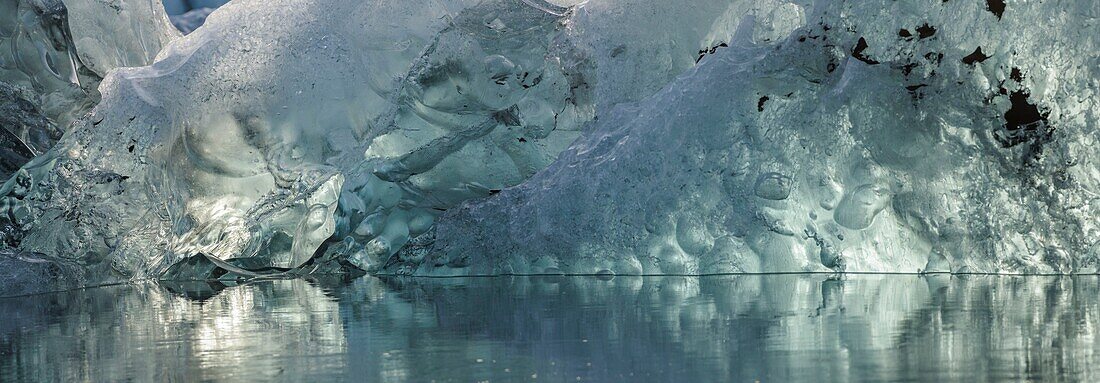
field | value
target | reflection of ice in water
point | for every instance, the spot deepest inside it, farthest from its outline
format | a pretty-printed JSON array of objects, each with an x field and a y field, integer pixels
[
  {"x": 725, "y": 328},
  {"x": 146, "y": 334},
  {"x": 296, "y": 317}
]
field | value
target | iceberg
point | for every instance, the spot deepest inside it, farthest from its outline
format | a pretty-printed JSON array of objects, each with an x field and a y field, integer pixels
[
  {"x": 465, "y": 137},
  {"x": 879, "y": 137}
]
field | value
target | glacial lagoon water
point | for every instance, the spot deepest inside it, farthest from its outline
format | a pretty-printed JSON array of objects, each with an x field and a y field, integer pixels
[{"x": 791, "y": 327}]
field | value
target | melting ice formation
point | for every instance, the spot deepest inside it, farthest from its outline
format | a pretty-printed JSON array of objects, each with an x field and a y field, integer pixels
[{"x": 523, "y": 136}]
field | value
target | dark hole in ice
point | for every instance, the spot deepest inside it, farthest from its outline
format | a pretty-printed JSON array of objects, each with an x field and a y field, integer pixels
[
  {"x": 709, "y": 51},
  {"x": 857, "y": 52},
  {"x": 1024, "y": 122},
  {"x": 1016, "y": 75},
  {"x": 997, "y": 7},
  {"x": 1022, "y": 112},
  {"x": 975, "y": 57},
  {"x": 926, "y": 31},
  {"x": 760, "y": 103},
  {"x": 905, "y": 33}
]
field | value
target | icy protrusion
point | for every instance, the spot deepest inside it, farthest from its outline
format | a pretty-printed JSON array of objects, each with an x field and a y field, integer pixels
[
  {"x": 773, "y": 186},
  {"x": 46, "y": 77},
  {"x": 902, "y": 157},
  {"x": 858, "y": 209},
  {"x": 39, "y": 63},
  {"x": 118, "y": 33}
]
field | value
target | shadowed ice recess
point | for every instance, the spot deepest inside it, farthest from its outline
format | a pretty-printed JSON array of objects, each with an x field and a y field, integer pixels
[{"x": 487, "y": 137}]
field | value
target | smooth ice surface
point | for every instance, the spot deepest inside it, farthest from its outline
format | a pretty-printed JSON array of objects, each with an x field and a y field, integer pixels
[
  {"x": 775, "y": 328},
  {"x": 875, "y": 138}
]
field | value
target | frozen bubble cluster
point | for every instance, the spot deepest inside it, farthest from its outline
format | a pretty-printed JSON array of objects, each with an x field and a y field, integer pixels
[{"x": 463, "y": 137}]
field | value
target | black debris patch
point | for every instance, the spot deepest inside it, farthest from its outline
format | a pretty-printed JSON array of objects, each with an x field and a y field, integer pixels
[
  {"x": 904, "y": 33},
  {"x": 710, "y": 51},
  {"x": 760, "y": 103},
  {"x": 1024, "y": 123},
  {"x": 913, "y": 88},
  {"x": 521, "y": 139},
  {"x": 857, "y": 52},
  {"x": 1022, "y": 113},
  {"x": 925, "y": 31},
  {"x": 975, "y": 57},
  {"x": 996, "y": 7}
]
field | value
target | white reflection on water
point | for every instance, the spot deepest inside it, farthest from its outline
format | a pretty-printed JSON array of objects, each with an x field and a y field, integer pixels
[{"x": 740, "y": 328}]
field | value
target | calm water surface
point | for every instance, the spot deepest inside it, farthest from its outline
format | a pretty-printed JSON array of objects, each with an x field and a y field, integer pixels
[{"x": 683, "y": 329}]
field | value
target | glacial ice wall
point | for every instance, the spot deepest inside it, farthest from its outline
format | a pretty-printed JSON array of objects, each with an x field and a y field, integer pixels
[
  {"x": 326, "y": 136},
  {"x": 257, "y": 145},
  {"x": 882, "y": 136}
]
